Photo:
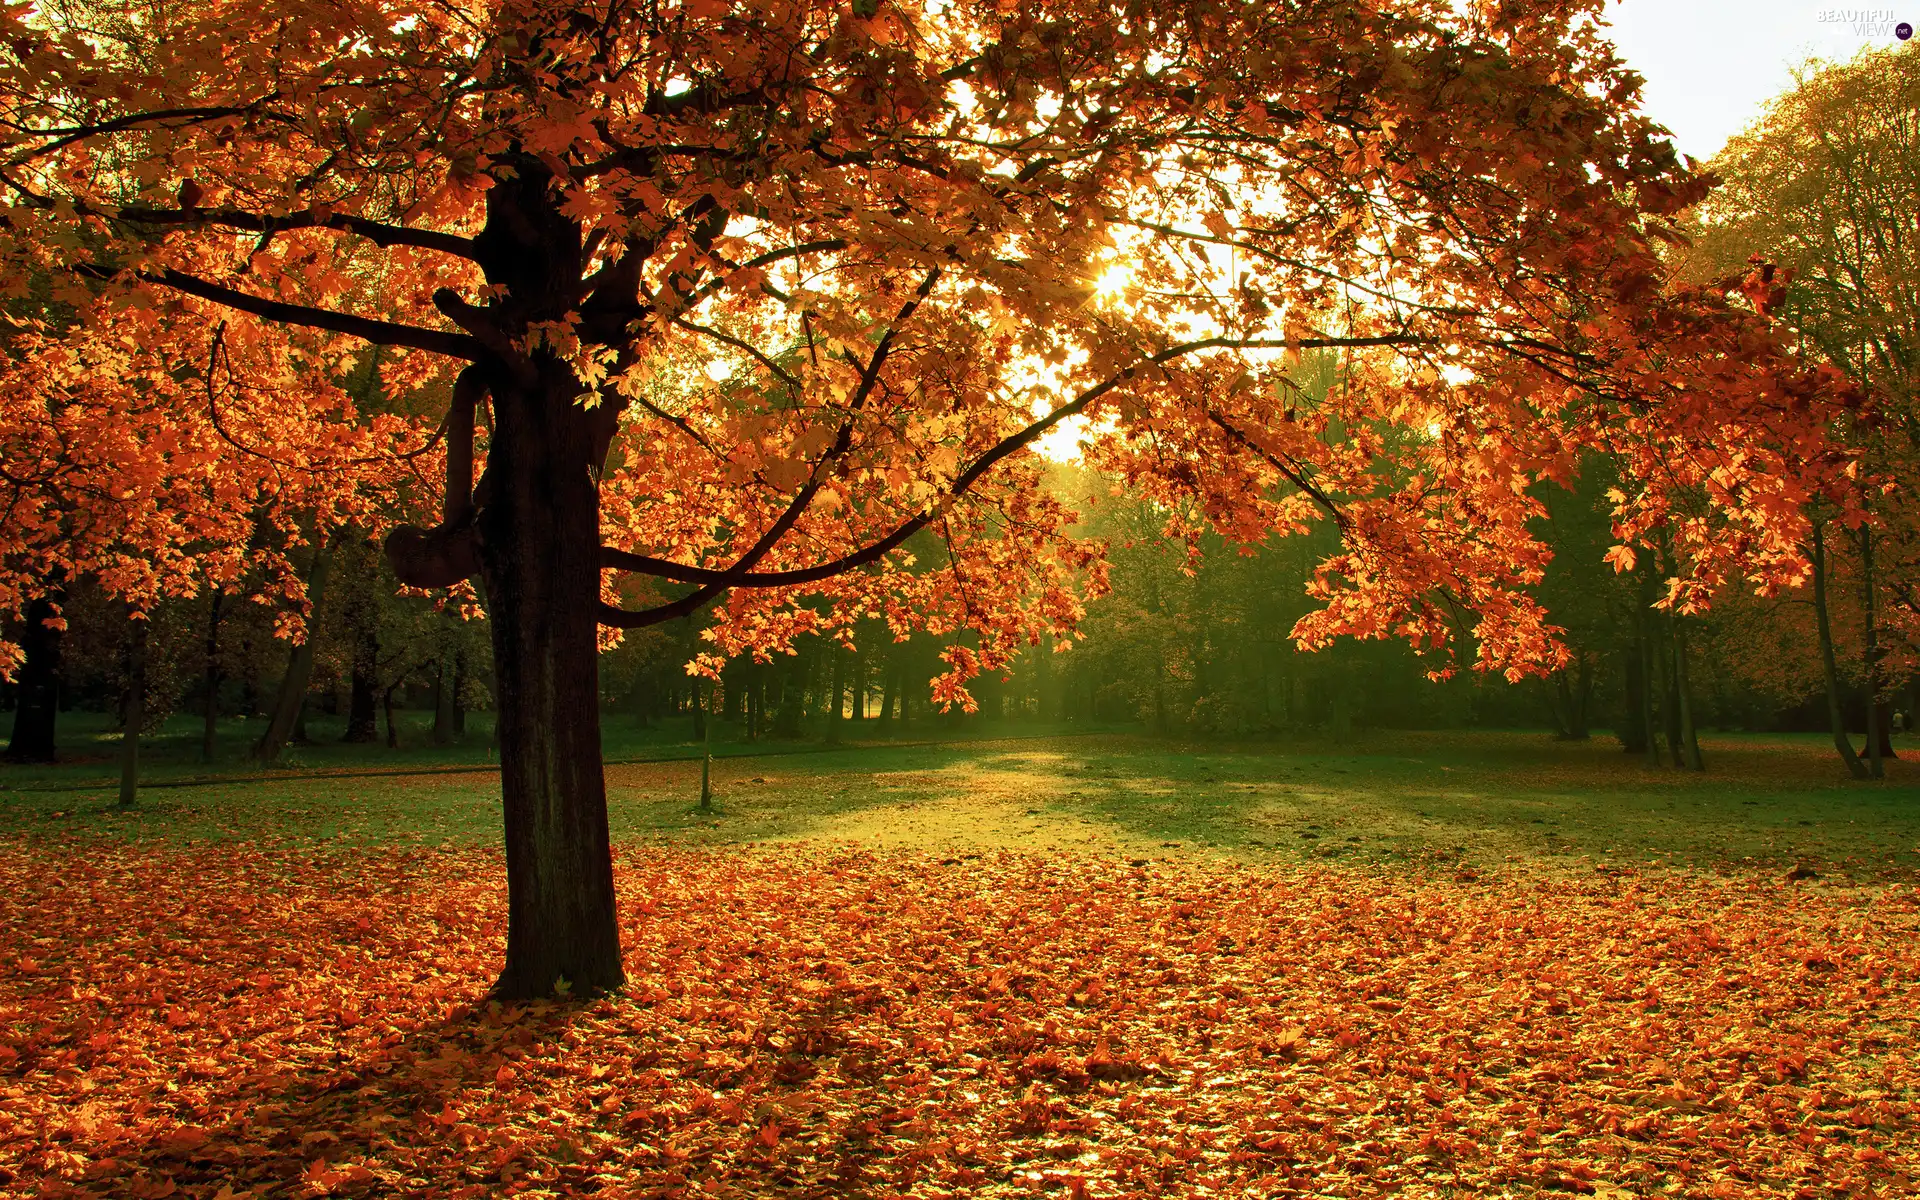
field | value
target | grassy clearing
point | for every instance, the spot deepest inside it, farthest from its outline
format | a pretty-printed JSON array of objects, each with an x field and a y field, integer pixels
[{"x": 1478, "y": 799}]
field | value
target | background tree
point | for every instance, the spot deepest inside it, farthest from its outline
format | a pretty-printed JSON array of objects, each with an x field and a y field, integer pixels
[{"x": 1821, "y": 192}]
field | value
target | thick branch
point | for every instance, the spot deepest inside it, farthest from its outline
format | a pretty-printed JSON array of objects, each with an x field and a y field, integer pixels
[
  {"x": 67, "y": 135},
  {"x": 380, "y": 333},
  {"x": 377, "y": 232}
]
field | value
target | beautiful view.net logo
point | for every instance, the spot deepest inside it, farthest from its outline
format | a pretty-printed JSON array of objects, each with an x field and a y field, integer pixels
[{"x": 1867, "y": 22}]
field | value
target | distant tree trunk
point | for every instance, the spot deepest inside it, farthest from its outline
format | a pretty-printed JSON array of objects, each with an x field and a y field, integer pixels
[
  {"x": 289, "y": 704},
  {"x": 38, "y": 703},
  {"x": 210, "y": 707},
  {"x": 1650, "y": 710},
  {"x": 1633, "y": 722},
  {"x": 836, "y": 688},
  {"x": 445, "y": 688},
  {"x": 386, "y": 704},
  {"x": 1567, "y": 703},
  {"x": 888, "y": 676},
  {"x": 1583, "y": 699},
  {"x": 1829, "y": 667},
  {"x": 1683, "y": 688},
  {"x": 135, "y": 713},
  {"x": 859, "y": 689},
  {"x": 459, "y": 685},
  {"x": 1559, "y": 697},
  {"x": 792, "y": 695},
  {"x": 750, "y": 703},
  {"x": 701, "y": 689},
  {"x": 1885, "y": 734},
  {"x": 362, "y": 714},
  {"x": 1870, "y": 653},
  {"x": 1670, "y": 702}
]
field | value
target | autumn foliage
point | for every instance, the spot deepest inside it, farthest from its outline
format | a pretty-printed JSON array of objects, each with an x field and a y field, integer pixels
[
  {"x": 837, "y": 1023},
  {"x": 741, "y": 301}
]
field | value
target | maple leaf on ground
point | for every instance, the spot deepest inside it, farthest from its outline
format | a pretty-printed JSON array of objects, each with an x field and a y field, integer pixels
[{"x": 823, "y": 1023}]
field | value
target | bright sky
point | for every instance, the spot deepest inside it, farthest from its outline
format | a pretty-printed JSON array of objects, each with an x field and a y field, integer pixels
[{"x": 1711, "y": 65}]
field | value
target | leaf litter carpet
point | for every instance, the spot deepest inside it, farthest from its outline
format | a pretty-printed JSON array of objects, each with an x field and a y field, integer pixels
[{"x": 225, "y": 1021}]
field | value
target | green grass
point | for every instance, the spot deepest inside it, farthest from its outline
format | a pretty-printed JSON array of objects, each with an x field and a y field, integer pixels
[{"x": 1386, "y": 799}]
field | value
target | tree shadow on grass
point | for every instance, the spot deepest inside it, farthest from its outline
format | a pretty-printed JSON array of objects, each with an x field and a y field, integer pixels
[{"x": 580, "y": 1097}]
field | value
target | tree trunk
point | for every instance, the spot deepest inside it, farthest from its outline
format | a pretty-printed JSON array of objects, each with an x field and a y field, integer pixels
[
  {"x": 540, "y": 557},
  {"x": 700, "y": 686},
  {"x": 1683, "y": 687},
  {"x": 210, "y": 706},
  {"x": 1829, "y": 667},
  {"x": 362, "y": 704},
  {"x": 135, "y": 713},
  {"x": 792, "y": 701},
  {"x": 386, "y": 704},
  {"x": 459, "y": 684},
  {"x": 292, "y": 697},
  {"x": 1560, "y": 706},
  {"x": 445, "y": 683},
  {"x": 1870, "y": 653},
  {"x": 888, "y": 676},
  {"x": 750, "y": 702},
  {"x": 858, "y": 699},
  {"x": 38, "y": 705},
  {"x": 1582, "y": 728},
  {"x": 1885, "y": 735},
  {"x": 836, "y": 687},
  {"x": 1650, "y": 682},
  {"x": 443, "y": 701}
]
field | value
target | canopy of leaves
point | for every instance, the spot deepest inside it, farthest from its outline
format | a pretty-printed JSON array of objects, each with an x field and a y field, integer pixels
[{"x": 817, "y": 275}]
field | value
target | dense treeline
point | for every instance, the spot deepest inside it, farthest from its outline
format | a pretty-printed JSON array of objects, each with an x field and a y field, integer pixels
[{"x": 1196, "y": 644}]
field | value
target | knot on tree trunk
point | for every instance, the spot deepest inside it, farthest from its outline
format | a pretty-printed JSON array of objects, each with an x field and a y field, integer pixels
[{"x": 434, "y": 558}]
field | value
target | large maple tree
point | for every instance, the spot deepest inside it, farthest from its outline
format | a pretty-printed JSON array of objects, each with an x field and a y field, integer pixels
[{"x": 744, "y": 298}]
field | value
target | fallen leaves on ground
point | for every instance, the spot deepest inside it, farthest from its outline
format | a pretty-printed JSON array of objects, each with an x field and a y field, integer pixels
[{"x": 215, "y": 1021}]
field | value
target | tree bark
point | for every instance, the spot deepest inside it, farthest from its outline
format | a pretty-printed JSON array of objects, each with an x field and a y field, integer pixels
[
  {"x": 1829, "y": 666},
  {"x": 443, "y": 701},
  {"x": 210, "y": 706},
  {"x": 1870, "y": 653},
  {"x": 1683, "y": 687},
  {"x": 459, "y": 684},
  {"x": 135, "y": 713},
  {"x": 539, "y": 528},
  {"x": 38, "y": 706},
  {"x": 386, "y": 704},
  {"x": 1650, "y": 683},
  {"x": 362, "y": 714},
  {"x": 445, "y": 683},
  {"x": 750, "y": 702},
  {"x": 903, "y": 691},
  {"x": 836, "y": 688},
  {"x": 293, "y": 685},
  {"x": 787, "y": 698},
  {"x": 1580, "y": 726},
  {"x": 700, "y": 689},
  {"x": 1633, "y": 724}
]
